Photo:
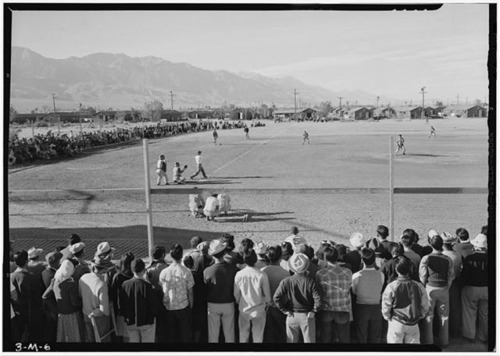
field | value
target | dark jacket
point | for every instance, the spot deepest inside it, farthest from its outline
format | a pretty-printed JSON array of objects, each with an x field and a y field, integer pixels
[
  {"x": 405, "y": 300},
  {"x": 68, "y": 300},
  {"x": 219, "y": 279},
  {"x": 138, "y": 302},
  {"x": 116, "y": 285},
  {"x": 475, "y": 270},
  {"x": 298, "y": 293}
]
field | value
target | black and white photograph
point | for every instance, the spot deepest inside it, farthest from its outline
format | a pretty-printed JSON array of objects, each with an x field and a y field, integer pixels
[{"x": 284, "y": 177}]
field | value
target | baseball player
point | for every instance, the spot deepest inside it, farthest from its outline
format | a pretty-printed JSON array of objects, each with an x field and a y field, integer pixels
[{"x": 161, "y": 170}]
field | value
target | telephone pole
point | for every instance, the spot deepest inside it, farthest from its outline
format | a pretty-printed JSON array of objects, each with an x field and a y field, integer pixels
[
  {"x": 458, "y": 98},
  {"x": 295, "y": 102},
  {"x": 423, "y": 107},
  {"x": 171, "y": 100},
  {"x": 58, "y": 119},
  {"x": 340, "y": 102},
  {"x": 378, "y": 97}
]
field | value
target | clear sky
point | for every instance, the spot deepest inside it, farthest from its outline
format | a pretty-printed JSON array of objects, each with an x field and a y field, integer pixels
[{"x": 386, "y": 53}]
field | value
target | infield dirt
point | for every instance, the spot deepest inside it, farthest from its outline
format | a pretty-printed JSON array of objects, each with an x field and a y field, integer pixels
[{"x": 273, "y": 176}]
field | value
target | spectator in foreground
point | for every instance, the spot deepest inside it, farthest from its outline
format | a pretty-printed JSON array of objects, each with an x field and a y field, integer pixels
[
  {"x": 53, "y": 262},
  {"x": 139, "y": 305},
  {"x": 367, "y": 289},
  {"x": 219, "y": 279},
  {"x": 298, "y": 297},
  {"x": 35, "y": 266},
  {"x": 404, "y": 304},
  {"x": 95, "y": 298},
  {"x": 463, "y": 247},
  {"x": 70, "y": 326},
  {"x": 72, "y": 239},
  {"x": 455, "y": 291},
  {"x": 275, "y": 330},
  {"x": 287, "y": 252},
  {"x": 407, "y": 242},
  {"x": 436, "y": 274},
  {"x": 77, "y": 252},
  {"x": 49, "y": 303},
  {"x": 475, "y": 291},
  {"x": 199, "y": 311},
  {"x": 261, "y": 251},
  {"x": 177, "y": 283},
  {"x": 334, "y": 283},
  {"x": 353, "y": 258},
  {"x": 116, "y": 286},
  {"x": 253, "y": 295},
  {"x": 152, "y": 276}
]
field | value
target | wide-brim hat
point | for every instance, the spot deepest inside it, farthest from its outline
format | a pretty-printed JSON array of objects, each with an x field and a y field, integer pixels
[
  {"x": 76, "y": 247},
  {"x": 261, "y": 248},
  {"x": 480, "y": 241},
  {"x": 104, "y": 248},
  {"x": 298, "y": 263},
  {"x": 357, "y": 240},
  {"x": 448, "y": 238},
  {"x": 34, "y": 252},
  {"x": 100, "y": 262},
  {"x": 216, "y": 246},
  {"x": 432, "y": 233}
]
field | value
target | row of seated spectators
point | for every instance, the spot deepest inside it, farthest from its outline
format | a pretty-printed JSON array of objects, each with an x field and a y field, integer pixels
[
  {"x": 52, "y": 145},
  {"x": 374, "y": 291}
]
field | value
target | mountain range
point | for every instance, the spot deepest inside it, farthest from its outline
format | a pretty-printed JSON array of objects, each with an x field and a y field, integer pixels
[{"x": 122, "y": 82}]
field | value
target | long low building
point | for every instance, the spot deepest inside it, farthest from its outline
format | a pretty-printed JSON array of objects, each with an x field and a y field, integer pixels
[{"x": 301, "y": 114}]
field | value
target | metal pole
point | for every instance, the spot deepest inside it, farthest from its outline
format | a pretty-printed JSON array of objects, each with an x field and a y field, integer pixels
[
  {"x": 32, "y": 128},
  {"x": 58, "y": 119},
  {"x": 391, "y": 188},
  {"x": 149, "y": 210}
]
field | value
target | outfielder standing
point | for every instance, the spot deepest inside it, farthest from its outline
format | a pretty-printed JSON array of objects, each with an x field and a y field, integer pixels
[
  {"x": 306, "y": 137},
  {"x": 400, "y": 143},
  {"x": 161, "y": 170},
  {"x": 199, "y": 166},
  {"x": 433, "y": 132}
]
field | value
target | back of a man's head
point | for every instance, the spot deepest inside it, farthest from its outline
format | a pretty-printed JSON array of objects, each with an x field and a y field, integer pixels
[
  {"x": 74, "y": 239},
  {"x": 331, "y": 255},
  {"x": 368, "y": 256},
  {"x": 249, "y": 257},
  {"x": 403, "y": 267},
  {"x": 274, "y": 254},
  {"x": 462, "y": 234},
  {"x": 436, "y": 243},
  {"x": 397, "y": 250},
  {"x": 406, "y": 240},
  {"x": 382, "y": 231},
  {"x": 294, "y": 230},
  {"x": 21, "y": 258},
  {"x": 176, "y": 252}
]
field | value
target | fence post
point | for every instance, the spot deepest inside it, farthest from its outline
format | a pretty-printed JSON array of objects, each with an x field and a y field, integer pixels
[
  {"x": 149, "y": 211},
  {"x": 391, "y": 187}
]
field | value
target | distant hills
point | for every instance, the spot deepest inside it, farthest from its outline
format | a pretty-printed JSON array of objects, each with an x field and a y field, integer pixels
[{"x": 121, "y": 82}]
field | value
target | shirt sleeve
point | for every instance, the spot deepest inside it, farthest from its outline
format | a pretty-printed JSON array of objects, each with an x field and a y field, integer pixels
[
  {"x": 236, "y": 290},
  {"x": 423, "y": 271},
  {"x": 279, "y": 298},
  {"x": 318, "y": 300},
  {"x": 424, "y": 300},
  {"x": 387, "y": 299},
  {"x": 451, "y": 271},
  {"x": 266, "y": 289},
  {"x": 104, "y": 300},
  {"x": 355, "y": 280}
]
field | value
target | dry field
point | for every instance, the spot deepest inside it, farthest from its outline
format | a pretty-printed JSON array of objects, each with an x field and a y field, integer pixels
[{"x": 273, "y": 176}]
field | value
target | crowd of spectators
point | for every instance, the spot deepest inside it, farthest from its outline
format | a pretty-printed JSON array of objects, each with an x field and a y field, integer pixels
[
  {"x": 375, "y": 291},
  {"x": 52, "y": 145}
]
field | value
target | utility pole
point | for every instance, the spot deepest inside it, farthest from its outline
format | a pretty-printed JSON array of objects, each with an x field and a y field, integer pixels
[
  {"x": 171, "y": 100},
  {"x": 378, "y": 97},
  {"x": 340, "y": 102},
  {"x": 58, "y": 119},
  {"x": 458, "y": 98},
  {"x": 423, "y": 107},
  {"x": 295, "y": 102}
]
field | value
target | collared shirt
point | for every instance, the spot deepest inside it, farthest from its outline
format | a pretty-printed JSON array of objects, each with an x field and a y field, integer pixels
[
  {"x": 94, "y": 293},
  {"x": 176, "y": 281},
  {"x": 198, "y": 159},
  {"x": 334, "y": 283},
  {"x": 251, "y": 291},
  {"x": 367, "y": 285}
]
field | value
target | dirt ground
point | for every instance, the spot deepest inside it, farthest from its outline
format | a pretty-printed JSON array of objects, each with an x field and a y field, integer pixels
[{"x": 330, "y": 188}]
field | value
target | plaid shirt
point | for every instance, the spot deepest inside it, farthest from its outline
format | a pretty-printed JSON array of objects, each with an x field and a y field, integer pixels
[{"x": 334, "y": 283}]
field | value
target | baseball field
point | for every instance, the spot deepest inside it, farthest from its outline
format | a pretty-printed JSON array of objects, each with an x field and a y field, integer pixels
[{"x": 334, "y": 186}]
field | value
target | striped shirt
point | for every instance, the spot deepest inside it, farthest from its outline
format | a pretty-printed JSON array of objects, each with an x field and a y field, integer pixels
[{"x": 334, "y": 283}]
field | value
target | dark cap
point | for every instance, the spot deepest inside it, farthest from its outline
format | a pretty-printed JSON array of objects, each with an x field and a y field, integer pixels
[
  {"x": 53, "y": 258},
  {"x": 74, "y": 238},
  {"x": 158, "y": 252}
]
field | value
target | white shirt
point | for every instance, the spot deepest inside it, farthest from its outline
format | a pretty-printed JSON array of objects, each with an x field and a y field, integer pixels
[
  {"x": 296, "y": 240},
  {"x": 211, "y": 204},
  {"x": 252, "y": 291},
  {"x": 198, "y": 159}
]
